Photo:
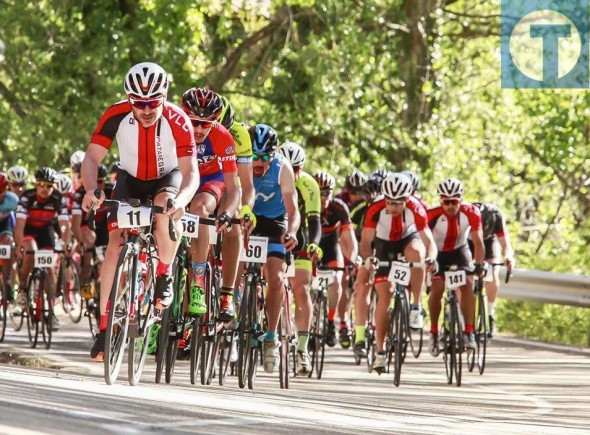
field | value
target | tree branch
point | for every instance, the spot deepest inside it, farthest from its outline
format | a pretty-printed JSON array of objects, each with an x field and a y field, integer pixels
[{"x": 12, "y": 101}]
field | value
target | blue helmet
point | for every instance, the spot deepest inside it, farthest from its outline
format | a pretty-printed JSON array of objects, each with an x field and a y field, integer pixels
[{"x": 264, "y": 139}]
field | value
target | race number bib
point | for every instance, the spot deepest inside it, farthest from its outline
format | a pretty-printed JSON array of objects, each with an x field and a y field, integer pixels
[
  {"x": 455, "y": 278},
  {"x": 133, "y": 217},
  {"x": 400, "y": 274},
  {"x": 190, "y": 225},
  {"x": 100, "y": 250},
  {"x": 257, "y": 251},
  {"x": 5, "y": 251},
  {"x": 323, "y": 278},
  {"x": 43, "y": 258}
]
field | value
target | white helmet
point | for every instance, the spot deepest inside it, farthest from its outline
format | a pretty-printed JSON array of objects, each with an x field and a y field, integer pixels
[
  {"x": 396, "y": 186},
  {"x": 293, "y": 153},
  {"x": 356, "y": 179},
  {"x": 77, "y": 158},
  {"x": 450, "y": 187},
  {"x": 17, "y": 174},
  {"x": 63, "y": 183},
  {"x": 146, "y": 80},
  {"x": 325, "y": 180}
]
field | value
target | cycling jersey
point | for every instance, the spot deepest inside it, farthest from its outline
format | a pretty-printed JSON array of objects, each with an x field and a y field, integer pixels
[
  {"x": 450, "y": 233},
  {"x": 242, "y": 141},
  {"x": 217, "y": 152},
  {"x": 308, "y": 201},
  {"x": 40, "y": 213},
  {"x": 8, "y": 206},
  {"x": 335, "y": 219},
  {"x": 492, "y": 221},
  {"x": 269, "y": 197},
  {"x": 146, "y": 153},
  {"x": 395, "y": 228}
]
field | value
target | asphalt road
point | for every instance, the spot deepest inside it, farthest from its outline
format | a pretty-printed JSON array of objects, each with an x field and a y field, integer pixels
[{"x": 525, "y": 389}]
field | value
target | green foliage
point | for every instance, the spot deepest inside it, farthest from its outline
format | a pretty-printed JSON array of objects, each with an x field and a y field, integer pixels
[{"x": 546, "y": 322}]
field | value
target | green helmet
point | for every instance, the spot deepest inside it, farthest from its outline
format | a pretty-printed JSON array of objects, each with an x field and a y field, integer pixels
[{"x": 228, "y": 116}]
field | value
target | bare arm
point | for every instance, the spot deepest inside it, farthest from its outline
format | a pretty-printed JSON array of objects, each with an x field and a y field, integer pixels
[
  {"x": 287, "y": 180},
  {"x": 232, "y": 200},
  {"x": 95, "y": 154},
  {"x": 247, "y": 184},
  {"x": 367, "y": 236},
  {"x": 428, "y": 240},
  {"x": 477, "y": 237},
  {"x": 349, "y": 244},
  {"x": 190, "y": 181}
]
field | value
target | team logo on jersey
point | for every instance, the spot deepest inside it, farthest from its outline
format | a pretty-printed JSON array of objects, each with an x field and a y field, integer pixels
[
  {"x": 229, "y": 150},
  {"x": 264, "y": 197}
]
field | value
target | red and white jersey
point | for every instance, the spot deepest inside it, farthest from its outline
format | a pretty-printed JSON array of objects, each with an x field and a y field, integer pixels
[
  {"x": 146, "y": 153},
  {"x": 451, "y": 233},
  {"x": 413, "y": 219},
  {"x": 217, "y": 152}
]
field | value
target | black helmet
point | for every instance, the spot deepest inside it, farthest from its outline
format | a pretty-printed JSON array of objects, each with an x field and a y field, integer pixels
[
  {"x": 264, "y": 139},
  {"x": 202, "y": 103},
  {"x": 373, "y": 186},
  {"x": 102, "y": 172},
  {"x": 356, "y": 180},
  {"x": 45, "y": 174}
]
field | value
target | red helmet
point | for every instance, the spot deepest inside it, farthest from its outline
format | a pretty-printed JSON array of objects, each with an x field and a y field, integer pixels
[
  {"x": 202, "y": 103},
  {"x": 3, "y": 180}
]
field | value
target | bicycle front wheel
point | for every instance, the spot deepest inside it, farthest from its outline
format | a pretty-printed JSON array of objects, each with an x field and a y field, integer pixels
[
  {"x": 72, "y": 297},
  {"x": 399, "y": 338},
  {"x": 285, "y": 351},
  {"x": 3, "y": 309},
  {"x": 34, "y": 307},
  {"x": 118, "y": 314},
  {"x": 481, "y": 333},
  {"x": 46, "y": 318},
  {"x": 456, "y": 344},
  {"x": 162, "y": 344}
]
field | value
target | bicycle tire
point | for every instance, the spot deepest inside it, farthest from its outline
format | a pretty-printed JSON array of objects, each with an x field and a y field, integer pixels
[
  {"x": 176, "y": 328},
  {"x": 227, "y": 339},
  {"x": 482, "y": 332},
  {"x": 284, "y": 352},
  {"x": 73, "y": 294},
  {"x": 46, "y": 318},
  {"x": 398, "y": 338},
  {"x": 3, "y": 308},
  {"x": 370, "y": 334},
  {"x": 33, "y": 310},
  {"x": 322, "y": 338},
  {"x": 171, "y": 352},
  {"x": 244, "y": 332},
  {"x": 456, "y": 344},
  {"x": 195, "y": 349},
  {"x": 162, "y": 345},
  {"x": 209, "y": 343},
  {"x": 415, "y": 336},
  {"x": 118, "y": 314}
]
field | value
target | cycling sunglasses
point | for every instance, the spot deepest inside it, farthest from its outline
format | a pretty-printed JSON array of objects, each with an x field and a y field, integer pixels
[
  {"x": 45, "y": 184},
  {"x": 265, "y": 157},
  {"x": 450, "y": 201},
  {"x": 201, "y": 123},
  {"x": 395, "y": 201},
  {"x": 142, "y": 104},
  {"x": 325, "y": 193}
]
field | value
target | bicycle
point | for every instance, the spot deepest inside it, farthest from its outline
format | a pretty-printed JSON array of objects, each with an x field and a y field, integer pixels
[
  {"x": 286, "y": 335},
  {"x": 130, "y": 307},
  {"x": 39, "y": 309},
  {"x": 68, "y": 286},
  {"x": 399, "y": 334},
  {"x": 91, "y": 292},
  {"x": 452, "y": 341},
  {"x": 370, "y": 331},
  {"x": 5, "y": 255}
]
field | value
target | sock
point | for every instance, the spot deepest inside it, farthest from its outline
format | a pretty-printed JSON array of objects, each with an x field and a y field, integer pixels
[
  {"x": 359, "y": 334},
  {"x": 492, "y": 308},
  {"x": 270, "y": 335},
  {"x": 469, "y": 328},
  {"x": 302, "y": 340},
  {"x": 331, "y": 314},
  {"x": 416, "y": 307},
  {"x": 382, "y": 352},
  {"x": 434, "y": 329},
  {"x": 104, "y": 320},
  {"x": 227, "y": 291},
  {"x": 163, "y": 269},
  {"x": 199, "y": 273},
  {"x": 343, "y": 325}
]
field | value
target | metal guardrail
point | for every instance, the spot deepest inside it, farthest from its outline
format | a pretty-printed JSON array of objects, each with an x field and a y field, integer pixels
[{"x": 547, "y": 287}]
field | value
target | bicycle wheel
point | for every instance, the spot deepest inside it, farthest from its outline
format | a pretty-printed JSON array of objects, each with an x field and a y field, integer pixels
[
  {"x": 399, "y": 338},
  {"x": 138, "y": 343},
  {"x": 33, "y": 309},
  {"x": 195, "y": 349},
  {"x": 72, "y": 296},
  {"x": 415, "y": 336},
  {"x": 284, "y": 352},
  {"x": 118, "y": 314},
  {"x": 323, "y": 332},
  {"x": 176, "y": 328},
  {"x": 225, "y": 347},
  {"x": 46, "y": 318},
  {"x": 162, "y": 345},
  {"x": 171, "y": 352},
  {"x": 456, "y": 344},
  {"x": 244, "y": 336},
  {"x": 481, "y": 332},
  {"x": 3, "y": 308},
  {"x": 210, "y": 344}
]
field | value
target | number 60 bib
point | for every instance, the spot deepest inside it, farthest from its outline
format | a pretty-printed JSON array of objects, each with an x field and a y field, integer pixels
[{"x": 257, "y": 251}]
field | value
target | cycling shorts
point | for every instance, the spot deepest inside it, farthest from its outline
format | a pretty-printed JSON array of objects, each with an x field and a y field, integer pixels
[
  {"x": 460, "y": 257},
  {"x": 44, "y": 236},
  {"x": 390, "y": 251}
]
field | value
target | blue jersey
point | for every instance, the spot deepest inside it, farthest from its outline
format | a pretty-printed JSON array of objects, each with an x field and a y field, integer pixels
[
  {"x": 8, "y": 206},
  {"x": 269, "y": 198}
]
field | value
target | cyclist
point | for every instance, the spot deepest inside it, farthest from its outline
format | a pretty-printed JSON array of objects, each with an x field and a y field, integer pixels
[
  {"x": 308, "y": 238},
  {"x": 83, "y": 234},
  {"x": 17, "y": 179},
  {"x": 338, "y": 243},
  {"x": 278, "y": 219},
  {"x": 495, "y": 236},
  {"x": 396, "y": 224},
  {"x": 218, "y": 173},
  {"x": 450, "y": 223},
  {"x": 76, "y": 160},
  {"x": 64, "y": 185},
  {"x": 8, "y": 206},
  {"x": 36, "y": 212},
  {"x": 157, "y": 152},
  {"x": 355, "y": 188}
]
